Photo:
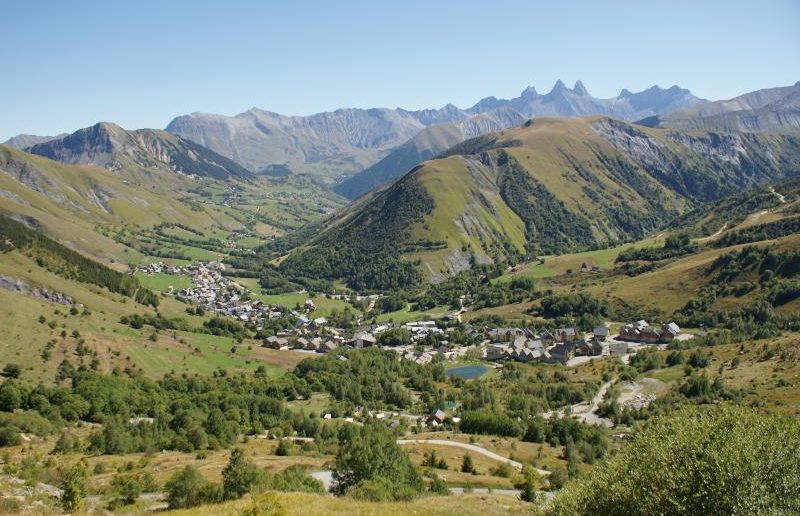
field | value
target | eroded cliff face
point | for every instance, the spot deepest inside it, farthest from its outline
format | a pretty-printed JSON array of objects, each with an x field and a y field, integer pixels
[
  {"x": 704, "y": 166},
  {"x": 114, "y": 148}
]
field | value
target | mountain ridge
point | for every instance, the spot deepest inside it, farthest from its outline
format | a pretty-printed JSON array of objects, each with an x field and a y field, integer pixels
[
  {"x": 765, "y": 110},
  {"x": 110, "y": 146},
  {"x": 346, "y": 141}
]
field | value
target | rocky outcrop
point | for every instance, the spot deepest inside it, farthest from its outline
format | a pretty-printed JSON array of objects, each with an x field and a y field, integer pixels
[{"x": 17, "y": 285}]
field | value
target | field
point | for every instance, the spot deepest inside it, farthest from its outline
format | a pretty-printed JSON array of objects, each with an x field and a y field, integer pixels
[
  {"x": 550, "y": 266},
  {"x": 116, "y": 344}
]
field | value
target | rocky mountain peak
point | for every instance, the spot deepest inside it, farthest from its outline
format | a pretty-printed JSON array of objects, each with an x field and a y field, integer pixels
[
  {"x": 558, "y": 87},
  {"x": 579, "y": 88}
]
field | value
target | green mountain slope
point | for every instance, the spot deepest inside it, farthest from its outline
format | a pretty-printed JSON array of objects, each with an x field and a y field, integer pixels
[
  {"x": 106, "y": 214},
  {"x": 552, "y": 186}
]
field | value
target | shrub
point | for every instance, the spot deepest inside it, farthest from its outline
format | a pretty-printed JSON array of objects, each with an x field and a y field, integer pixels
[
  {"x": 188, "y": 488},
  {"x": 295, "y": 478},
  {"x": 73, "y": 488},
  {"x": 238, "y": 476},
  {"x": 723, "y": 460},
  {"x": 372, "y": 457},
  {"x": 12, "y": 371}
]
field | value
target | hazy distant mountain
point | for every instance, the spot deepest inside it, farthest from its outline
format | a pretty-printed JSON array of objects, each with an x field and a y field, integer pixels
[
  {"x": 332, "y": 144},
  {"x": 347, "y": 141},
  {"x": 493, "y": 114},
  {"x": 428, "y": 143},
  {"x": 109, "y": 145},
  {"x": 564, "y": 102},
  {"x": 767, "y": 110},
  {"x": 23, "y": 141}
]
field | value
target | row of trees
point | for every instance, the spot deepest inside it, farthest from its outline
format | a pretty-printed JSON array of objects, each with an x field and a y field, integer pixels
[{"x": 68, "y": 263}]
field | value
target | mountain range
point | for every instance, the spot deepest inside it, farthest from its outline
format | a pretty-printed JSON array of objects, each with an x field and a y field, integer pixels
[
  {"x": 767, "y": 110},
  {"x": 338, "y": 144}
]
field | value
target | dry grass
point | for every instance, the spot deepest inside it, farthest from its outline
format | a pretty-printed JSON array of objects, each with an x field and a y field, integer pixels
[{"x": 470, "y": 504}]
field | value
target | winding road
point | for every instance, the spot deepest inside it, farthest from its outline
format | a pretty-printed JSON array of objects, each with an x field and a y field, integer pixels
[{"x": 470, "y": 447}]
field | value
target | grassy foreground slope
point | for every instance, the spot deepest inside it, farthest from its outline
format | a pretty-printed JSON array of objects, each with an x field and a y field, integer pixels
[
  {"x": 303, "y": 503},
  {"x": 552, "y": 186}
]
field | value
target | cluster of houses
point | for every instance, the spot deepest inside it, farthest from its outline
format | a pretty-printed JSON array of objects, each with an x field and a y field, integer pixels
[
  {"x": 522, "y": 345},
  {"x": 215, "y": 292},
  {"x": 315, "y": 335},
  {"x": 641, "y": 331}
]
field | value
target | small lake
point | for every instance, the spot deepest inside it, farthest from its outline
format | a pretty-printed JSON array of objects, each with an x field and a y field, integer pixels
[{"x": 467, "y": 372}]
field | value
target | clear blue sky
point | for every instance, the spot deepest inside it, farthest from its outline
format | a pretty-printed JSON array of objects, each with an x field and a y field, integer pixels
[{"x": 68, "y": 64}]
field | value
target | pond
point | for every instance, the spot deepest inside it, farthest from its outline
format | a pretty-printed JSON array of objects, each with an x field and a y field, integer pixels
[{"x": 467, "y": 372}]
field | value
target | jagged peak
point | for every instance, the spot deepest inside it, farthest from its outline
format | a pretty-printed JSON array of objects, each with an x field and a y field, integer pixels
[
  {"x": 579, "y": 88},
  {"x": 530, "y": 91},
  {"x": 558, "y": 87},
  {"x": 625, "y": 93}
]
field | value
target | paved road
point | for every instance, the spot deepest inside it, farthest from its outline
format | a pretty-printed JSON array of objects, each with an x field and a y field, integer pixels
[
  {"x": 590, "y": 417},
  {"x": 326, "y": 477},
  {"x": 470, "y": 447}
]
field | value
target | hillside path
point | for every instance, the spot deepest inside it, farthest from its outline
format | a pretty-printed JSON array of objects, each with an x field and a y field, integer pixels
[{"x": 470, "y": 447}]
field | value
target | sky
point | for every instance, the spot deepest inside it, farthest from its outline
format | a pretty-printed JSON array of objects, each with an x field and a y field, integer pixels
[{"x": 68, "y": 65}]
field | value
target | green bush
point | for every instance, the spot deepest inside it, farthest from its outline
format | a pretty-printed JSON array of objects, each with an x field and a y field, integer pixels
[
  {"x": 370, "y": 462},
  {"x": 296, "y": 478},
  {"x": 720, "y": 461}
]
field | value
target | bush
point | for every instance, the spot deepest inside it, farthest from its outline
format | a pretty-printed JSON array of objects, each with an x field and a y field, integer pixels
[
  {"x": 296, "y": 478},
  {"x": 9, "y": 437},
  {"x": 467, "y": 466},
  {"x": 129, "y": 486},
  {"x": 73, "y": 488},
  {"x": 487, "y": 422},
  {"x": 238, "y": 476},
  {"x": 723, "y": 460},
  {"x": 12, "y": 371},
  {"x": 372, "y": 462},
  {"x": 188, "y": 488}
]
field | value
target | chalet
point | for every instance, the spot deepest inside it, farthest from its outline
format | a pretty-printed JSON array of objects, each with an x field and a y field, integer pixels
[
  {"x": 496, "y": 352},
  {"x": 670, "y": 330},
  {"x": 617, "y": 349},
  {"x": 561, "y": 352},
  {"x": 327, "y": 346},
  {"x": 319, "y": 322},
  {"x": 274, "y": 342},
  {"x": 301, "y": 343},
  {"x": 437, "y": 418},
  {"x": 566, "y": 334},
  {"x": 419, "y": 357},
  {"x": 504, "y": 334},
  {"x": 364, "y": 340},
  {"x": 592, "y": 348},
  {"x": 547, "y": 337},
  {"x": 600, "y": 332},
  {"x": 641, "y": 331},
  {"x": 309, "y": 305}
]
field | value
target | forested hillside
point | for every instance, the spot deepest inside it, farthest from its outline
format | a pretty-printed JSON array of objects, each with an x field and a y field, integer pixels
[{"x": 550, "y": 187}]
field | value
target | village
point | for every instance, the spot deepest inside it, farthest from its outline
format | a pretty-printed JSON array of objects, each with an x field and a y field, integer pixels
[{"x": 215, "y": 292}]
